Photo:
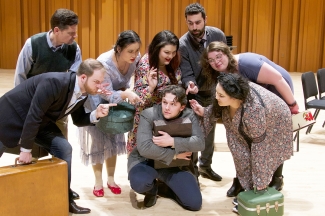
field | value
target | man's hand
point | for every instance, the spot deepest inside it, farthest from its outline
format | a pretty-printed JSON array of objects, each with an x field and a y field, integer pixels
[
  {"x": 25, "y": 157},
  {"x": 184, "y": 156},
  {"x": 163, "y": 141},
  {"x": 103, "y": 110},
  {"x": 196, "y": 107},
  {"x": 192, "y": 88}
]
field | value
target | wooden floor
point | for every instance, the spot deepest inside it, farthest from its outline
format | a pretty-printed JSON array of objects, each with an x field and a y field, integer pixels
[{"x": 304, "y": 175}]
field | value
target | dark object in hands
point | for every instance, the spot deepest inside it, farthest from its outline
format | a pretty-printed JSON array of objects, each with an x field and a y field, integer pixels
[
  {"x": 119, "y": 119},
  {"x": 180, "y": 127}
]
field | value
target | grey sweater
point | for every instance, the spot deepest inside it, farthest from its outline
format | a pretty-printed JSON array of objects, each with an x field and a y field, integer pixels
[
  {"x": 191, "y": 52},
  {"x": 146, "y": 149}
]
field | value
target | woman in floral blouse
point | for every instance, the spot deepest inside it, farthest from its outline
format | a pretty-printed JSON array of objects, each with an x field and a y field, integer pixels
[
  {"x": 156, "y": 70},
  {"x": 258, "y": 128},
  {"x": 258, "y": 69}
]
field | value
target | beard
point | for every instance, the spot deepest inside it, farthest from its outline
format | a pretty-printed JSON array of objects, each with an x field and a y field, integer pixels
[
  {"x": 198, "y": 33},
  {"x": 88, "y": 89}
]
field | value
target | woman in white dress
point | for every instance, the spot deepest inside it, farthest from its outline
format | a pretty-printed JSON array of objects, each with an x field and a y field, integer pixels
[{"x": 98, "y": 147}]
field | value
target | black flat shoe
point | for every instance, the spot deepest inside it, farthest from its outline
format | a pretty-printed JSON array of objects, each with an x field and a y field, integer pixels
[
  {"x": 210, "y": 174},
  {"x": 235, "y": 202},
  {"x": 235, "y": 209},
  {"x": 75, "y": 209},
  {"x": 150, "y": 197},
  {"x": 277, "y": 183},
  {"x": 235, "y": 188}
]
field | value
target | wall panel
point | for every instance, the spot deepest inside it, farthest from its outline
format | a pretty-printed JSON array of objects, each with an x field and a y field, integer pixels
[{"x": 290, "y": 32}]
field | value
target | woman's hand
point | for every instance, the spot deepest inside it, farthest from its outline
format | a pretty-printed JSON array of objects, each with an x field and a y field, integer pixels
[
  {"x": 196, "y": 107},
  {"x": 261, "y": 188},
  {"x": 132, "y": 97},
  {"x": 103, "y": 89},
  {"x": 152, "y": 79},
  {"x": 294, "y": 109}
]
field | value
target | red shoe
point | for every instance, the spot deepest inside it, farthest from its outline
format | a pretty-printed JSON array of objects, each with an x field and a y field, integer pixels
[
  {"x": 98, "y": 193},
  {"x": 115, "y": 190}
]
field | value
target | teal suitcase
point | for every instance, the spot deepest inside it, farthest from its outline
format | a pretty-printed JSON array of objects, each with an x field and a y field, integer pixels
[{"x": 268, "y": 202}]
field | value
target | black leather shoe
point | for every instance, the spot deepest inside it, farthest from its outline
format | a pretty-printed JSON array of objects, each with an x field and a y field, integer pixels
[
  {"x": 74, "y": 195},
  {"x": 235, "y": 188},
  {"x": 75, "y": 209},
  {"x": 150, "y": 197},
  {"x": 210, "y": 174},
  {"x": 276, "y": 183}
]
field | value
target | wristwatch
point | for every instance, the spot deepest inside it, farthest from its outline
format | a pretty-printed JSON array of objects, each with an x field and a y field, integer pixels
[{"x": 293, "y": 104}]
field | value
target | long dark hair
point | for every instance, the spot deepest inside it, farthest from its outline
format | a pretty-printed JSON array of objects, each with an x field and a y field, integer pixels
[
  {"x": 235, "y": 86},
  {"x": 126, "y": 38},
  {"x": 208, "y": 71},
  {"x": 160, "y": 40}
]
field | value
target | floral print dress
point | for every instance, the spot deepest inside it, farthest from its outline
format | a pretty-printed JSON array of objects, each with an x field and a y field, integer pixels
[
  {"x": 259, "y": 136},
  {"x": 141, "y": 87}
]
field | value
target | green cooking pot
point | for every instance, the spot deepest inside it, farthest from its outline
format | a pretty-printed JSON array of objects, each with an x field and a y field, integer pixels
[{"x": 119, "y": 119}]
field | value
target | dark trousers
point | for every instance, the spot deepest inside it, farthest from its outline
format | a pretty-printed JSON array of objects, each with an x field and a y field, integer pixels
[
  {"x": 184, "y": 185},
  {"x": 205, "y": 159},
  {"x": 2, "y": 148},
  {"x": 57, "y": 145}
]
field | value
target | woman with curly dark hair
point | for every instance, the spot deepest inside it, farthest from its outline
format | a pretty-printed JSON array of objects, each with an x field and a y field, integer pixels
[
  {"x": 257, "y": 68},
  {"x": 156, "y": 70},
  {"x": 258, "y": 126},
  {"x": 217, "y": 58}
]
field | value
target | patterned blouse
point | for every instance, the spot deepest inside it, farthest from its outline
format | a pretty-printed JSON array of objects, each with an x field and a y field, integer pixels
[
  {"x": 259, "y": 136},
  {"x": 141, "y": 87}
]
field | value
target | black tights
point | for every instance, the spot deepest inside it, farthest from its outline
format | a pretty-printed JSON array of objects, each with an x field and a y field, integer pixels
[{"x": 278, "y": 171}]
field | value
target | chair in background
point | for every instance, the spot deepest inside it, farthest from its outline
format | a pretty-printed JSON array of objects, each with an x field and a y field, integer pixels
[
  {"x": 321, "y": 84},
  {"x": 229, "y": 42},
  {"x": 310, "y": 89}
]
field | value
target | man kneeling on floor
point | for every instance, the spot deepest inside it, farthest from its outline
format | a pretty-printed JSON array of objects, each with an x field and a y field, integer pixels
[{"x": 182, "y": 186}]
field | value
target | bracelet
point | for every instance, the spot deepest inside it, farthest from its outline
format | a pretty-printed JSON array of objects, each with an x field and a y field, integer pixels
[{"x": 293, "y": 104}]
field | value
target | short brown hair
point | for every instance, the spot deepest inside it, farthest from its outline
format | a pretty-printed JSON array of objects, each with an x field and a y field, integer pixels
[
  {"x": 63, "y": 18},
  {"x": 88, "y": 66},
  {"x": 178, "y": 91}
]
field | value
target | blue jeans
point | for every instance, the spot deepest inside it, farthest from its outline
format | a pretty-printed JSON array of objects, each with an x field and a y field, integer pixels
[
  {"x": 184, "y": 185},
  {"x": 56, "y": 144}
]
